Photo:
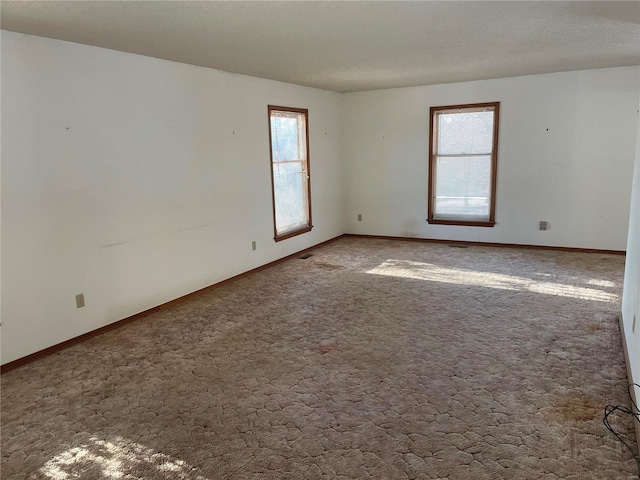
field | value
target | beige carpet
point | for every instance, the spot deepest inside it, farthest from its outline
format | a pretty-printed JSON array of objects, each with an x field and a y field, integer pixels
[{"x": 371, "y": 359}]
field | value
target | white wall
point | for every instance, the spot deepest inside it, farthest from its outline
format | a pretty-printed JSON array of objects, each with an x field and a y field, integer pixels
[
  {"x": 565, "y": 156},
  {"x": 137, "y": 180},
  {"x": 631, "y": 292}
]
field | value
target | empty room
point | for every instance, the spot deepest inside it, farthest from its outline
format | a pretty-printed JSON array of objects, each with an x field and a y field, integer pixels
[{"x": 320, "y": 240}]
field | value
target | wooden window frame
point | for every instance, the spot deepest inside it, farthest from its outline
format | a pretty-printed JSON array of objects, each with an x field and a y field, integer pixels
[
  {"x": 494, "y": 166},
  {"x": 305, "y": 228}
]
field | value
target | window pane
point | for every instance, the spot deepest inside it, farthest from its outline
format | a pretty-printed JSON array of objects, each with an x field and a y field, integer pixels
[
  {"x": 463, "y": 186},
  {"x": 464, "y": 133},
  {"x": 290, "y": 189},
  {"x": 284, "y": 135}
]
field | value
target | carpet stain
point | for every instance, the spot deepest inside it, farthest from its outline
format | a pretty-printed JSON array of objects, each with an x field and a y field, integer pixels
[
  {"x": 594, "y": 327},
  {"x": 575, "y": 408},
  {"x": 326, "y": 347},
  {"x": 326, "y": 266}
]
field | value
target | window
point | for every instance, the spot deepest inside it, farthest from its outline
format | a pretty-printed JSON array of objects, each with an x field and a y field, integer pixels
[
  {"x": 463, "y": 144},
  {"x": 290, "y": 178}
]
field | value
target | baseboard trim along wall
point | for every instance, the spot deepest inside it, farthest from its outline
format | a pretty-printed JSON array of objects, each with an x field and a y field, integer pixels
[
  {"x": 489, "y": 244},
  {"x": 119, "y": 323},
  {"x": 60, "y": 346},
  {"x": 630, "y": 377}
]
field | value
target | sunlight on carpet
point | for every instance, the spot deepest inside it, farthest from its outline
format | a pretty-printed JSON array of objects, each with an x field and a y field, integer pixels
[
  {"x": 118, "y": 458},
  {"x": 434, "y": 273}
]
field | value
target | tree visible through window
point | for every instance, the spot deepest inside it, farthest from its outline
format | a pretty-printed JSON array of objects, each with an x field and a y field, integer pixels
[
  {"x": 289, "y": 138},
  {"x": 462, "y": 164}
]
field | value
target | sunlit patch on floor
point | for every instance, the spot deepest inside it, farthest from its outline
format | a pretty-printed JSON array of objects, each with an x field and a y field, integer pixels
[
  {"x": 601, "y": 283},
  {"x": 433, "y": 273},
  {"x": 117, "y": 458}
]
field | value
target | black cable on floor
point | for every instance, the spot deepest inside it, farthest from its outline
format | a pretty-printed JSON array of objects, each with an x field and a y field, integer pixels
[{"x": 634, "y": 412}]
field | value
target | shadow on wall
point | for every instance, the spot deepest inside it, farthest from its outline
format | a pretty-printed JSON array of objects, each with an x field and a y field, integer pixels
[{"x": 434, "y": 273}]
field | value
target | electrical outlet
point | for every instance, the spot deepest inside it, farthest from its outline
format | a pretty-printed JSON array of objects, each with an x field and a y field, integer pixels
[
  {"x": 253, "y": 245},
  {"x": 544, "y": 225},
  {"x": 359, "y": 217},
  {"x": 80, "y": 300}
]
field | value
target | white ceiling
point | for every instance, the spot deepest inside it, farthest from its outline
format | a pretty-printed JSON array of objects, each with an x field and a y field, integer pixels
[{"x": 350, "y": 46}]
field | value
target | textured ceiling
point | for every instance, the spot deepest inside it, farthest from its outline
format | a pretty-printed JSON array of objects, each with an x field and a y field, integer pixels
[{"x": 350, "y": 46}]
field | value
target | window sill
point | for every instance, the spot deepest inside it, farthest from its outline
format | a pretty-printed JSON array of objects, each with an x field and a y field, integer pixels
[
  {"x": 293, "y": 233},
  {"x": 464, "y": 223}
]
